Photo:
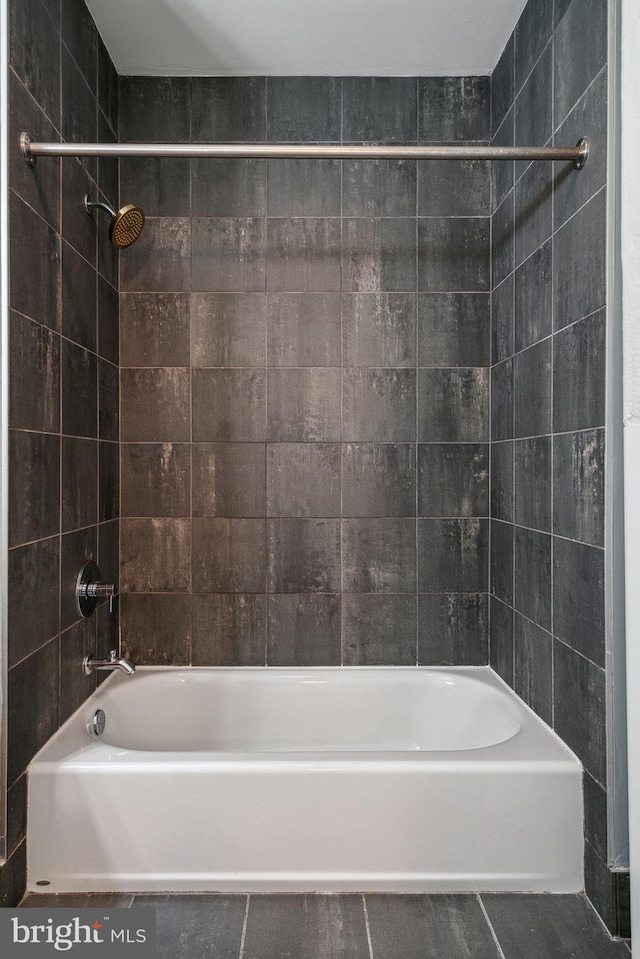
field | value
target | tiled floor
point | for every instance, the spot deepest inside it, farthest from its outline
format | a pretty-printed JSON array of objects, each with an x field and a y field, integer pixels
[{"x": 367, "y": 927}]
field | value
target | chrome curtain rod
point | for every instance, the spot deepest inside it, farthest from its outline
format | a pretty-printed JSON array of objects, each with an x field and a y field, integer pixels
[{"x": 31, "y": 151}]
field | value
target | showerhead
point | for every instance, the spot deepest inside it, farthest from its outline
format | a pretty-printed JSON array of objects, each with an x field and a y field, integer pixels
[{"x": 126, "y": 224}]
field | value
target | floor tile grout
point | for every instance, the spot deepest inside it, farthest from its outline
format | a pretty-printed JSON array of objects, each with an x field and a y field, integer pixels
[
  {"x": 491, "y": 929},
  {"x": 244, "y": 928},
  {"x": 367, "y": 927}
]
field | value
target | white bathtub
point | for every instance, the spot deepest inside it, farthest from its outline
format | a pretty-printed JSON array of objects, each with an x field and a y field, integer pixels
[{"x": 268, "y": 779}]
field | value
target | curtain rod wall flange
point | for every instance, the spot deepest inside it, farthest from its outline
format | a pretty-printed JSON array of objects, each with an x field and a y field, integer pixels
[{"x": 32, "y": 150}]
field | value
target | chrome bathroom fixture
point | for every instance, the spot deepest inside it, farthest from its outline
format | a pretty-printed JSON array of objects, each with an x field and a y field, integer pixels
[
  {"x": 127, "y": 223},
  {"x": 89, "y": 663},
  {"x": 89, "y": 590},
  {"x": 98, "y": 723},
  {"x": 32, "y": 150}
]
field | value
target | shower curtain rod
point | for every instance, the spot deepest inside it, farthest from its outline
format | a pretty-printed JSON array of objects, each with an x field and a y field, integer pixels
[{"x": 31, "y": 151}]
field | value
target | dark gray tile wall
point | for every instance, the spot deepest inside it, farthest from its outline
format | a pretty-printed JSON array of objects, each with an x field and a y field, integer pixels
[
  {"x": 63, "y": 468},
  {"x": 547, "y": 632},
  {"x": 305, "y": 351}
]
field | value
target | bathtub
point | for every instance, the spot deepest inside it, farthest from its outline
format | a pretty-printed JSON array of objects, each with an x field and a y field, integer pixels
[{"x": 323, "y": 779}]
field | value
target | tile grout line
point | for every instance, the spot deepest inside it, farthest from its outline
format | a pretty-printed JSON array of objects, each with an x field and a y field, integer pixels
[
  {"x": 244, "y": 928},
  {"x": 491, "y": 929},
  {"x": 366, "y": 925}
]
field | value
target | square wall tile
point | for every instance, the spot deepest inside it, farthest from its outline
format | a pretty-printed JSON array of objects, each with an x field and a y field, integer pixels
[
  {"x": 580, "y": 50},
  {"x": 155, "y": 555},
  {"x": 160, "y": 260},
  {"x": 532, "y": 472},
  {"x": 532, "y": 389},
  {"x": 578, "y": 486},
  {"x": 454, "y": 329},
  {"x": 454, "y": 108},
  {"x": 378, "y": 479},
  {"x": 454, "y": 188},
  {"x": 503, "y": 84},
  {"x": 304, "y": 187},
  {"x": 154, "y": 108},
  {"x": 303, "y": 254},
  {"x": 379, "y": 329},
  {"x": 155, "y": 405},
  {"x": 228, "y": 405},
  {"x": 227, "y": 254},
  {"x": 303, "y": 405},
  {"x": 77, "y": 548},
  {"x": 228, "y": 109},
  {"x": 79, "y": 290},
  {"x": 156, "y": 629},
  {"x": 379, "y": 405},
  {"x": 532, "y": 575},
  {"x": 533, "y": 666},
  {"x": 503, "y": 240},
  {"x": 378, "y": 555},
  {"x": 79, "y": 483},
  {"x": 156, "y": 479},
  {"x": 381, "y": 109},
  {"x": 502, "y": 481},
  {"x": 34, "y": 358},
  {"x": 379, "y": 188},
  {"x": 579, "y": 598},
  {"x": 160, "y": 185},
  {"x": 303, "y": 479},
  {"x": 378, "y": 630},
  {"x": 502, "y": 320},
  {"x": 228, "y": 555},
  {"x": 303, "y": 109},
  {"x": 579, "y": 258},
  {"x": 79, "y": 391},
  {"x": 303, "y": 556},
  {"x": 33, "y": 681},
  {"x": 579, "y": 375},
  {"x": 453, "y": 254},
  {"x": 228, "y": 187},
  {"x": 228, "y": 479},
  {"x": 228, "y": 329},
  {"x": 303, "y": 630},
  {"x": 378, "y": 255},
  {"x": 501, "y": 562},
  {"x": 34, "y": 486},
  {"x": 154, "y": 329},
  {"x": 453, "y": 479},
  {"x": 502, "y": 401},
  {"x": 453, "y": 629},
  {"x": 580, "y": 708},
  {"x": 453, "y": 405},
  {"x": 533, "y": 293},
  {"x": 303, "y": 329},
  {"x": 228, "y": 629},
  {"x": 453, "y": 555},
  {"x": 31, "y": 625},
  {"x": 533, "y": 210},
  {"x": 501, "y": 639}
]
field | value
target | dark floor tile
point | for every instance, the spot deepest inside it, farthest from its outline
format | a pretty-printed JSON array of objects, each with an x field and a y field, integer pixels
[
  {"x": 154, "y": 329},
  {"x": 228, "y": 479},
  {"x": 303, "y": 187},
  {"x": 16, "y": 814},
  {"x": 549, "y": 927},
  {"x": 454, "y": 329},
  {"x": 228, "y": 630},
  {"x": 303, "y": 254},
  {"x": 380, "y": 109},
  {"x": 502, "y": 488},
  {"x": 452, "y": 555},
  {"x": 532, "y": 476},
  {"x": 379, "y": 188},
  {"x": 227, "y": 109},
  {"x": 378, "y": 555},
  {"x": 454, "y": 108},
  {"x": 578, "y": 486},
  {"x": 303, "y": 630},
  {"x": 501, "y": 639},
  {"x": 303, "y": 329},
  {"x": 228, "y": 187},
  {"x": 432, "y": 927},
  {"x": 579, "y": 373},
  {"x": 228, "y": 405},
  {"x": 453, "y": 479},
  {"x": 580, "y": 708},
  {"x": 598, "y": 886},
  {"x": 378, "y": 630},
  {"x": 303, "y": 108},
  {"x": 80, "y": 900},
  {"x": 159, "y": 185},
  {"x": 453, "y": 629},
  {"x": 155, "y": 555},
  {"x": 453, "y": 406},
  {"x": 155, "y": 405},
  {"x": 155, "y": 109},
  {"x": 379, "y": 329},
  {"x": 13, "y": 877},
  {"x": 533, "y": 292},
  {"x": 228, "y": 555},
  {"x": 453, "y": 254},
  {"x": 454, "y": 188},
  {"x": 303, "y": 405},
  {"x": 303, "y": 556},
  {"x": 228, "y": 329},
  {"x": 378, "y": 479},
  {"x": 189, "y": 926},
  {"x": 307, "y": 927},
  {"x": 155, "y": 479},
  {"x": 579, "y": 598},
  {"x": 228, "y": 254},
  {"x": 379, "y": 254},
  {"x": 532, "y": 576},
  {"x": 579, "y": 258},
  {"x": 155, "y": 629},
  {"x": 303, "y": 479},
  {"x": 34, "y": 486},
  {"x": 533, "y": 666},
  {"x": 379, "y": 405}
]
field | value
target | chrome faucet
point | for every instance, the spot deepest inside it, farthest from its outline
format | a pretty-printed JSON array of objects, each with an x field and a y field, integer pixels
[{"x": 89, "y": 663}]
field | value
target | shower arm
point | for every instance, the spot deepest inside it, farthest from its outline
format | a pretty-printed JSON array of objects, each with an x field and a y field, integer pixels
[{"x": 32, "y": 150}]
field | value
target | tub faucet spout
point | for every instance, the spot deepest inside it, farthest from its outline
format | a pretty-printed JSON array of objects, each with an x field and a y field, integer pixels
[{"x": 89, "y": 663}]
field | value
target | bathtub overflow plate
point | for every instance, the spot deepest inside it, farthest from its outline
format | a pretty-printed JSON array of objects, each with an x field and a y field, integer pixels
[{"x": 98, "y": 722}]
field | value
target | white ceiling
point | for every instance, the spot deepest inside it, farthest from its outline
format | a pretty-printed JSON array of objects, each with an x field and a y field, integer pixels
[{"x": 305, "y": 37}]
